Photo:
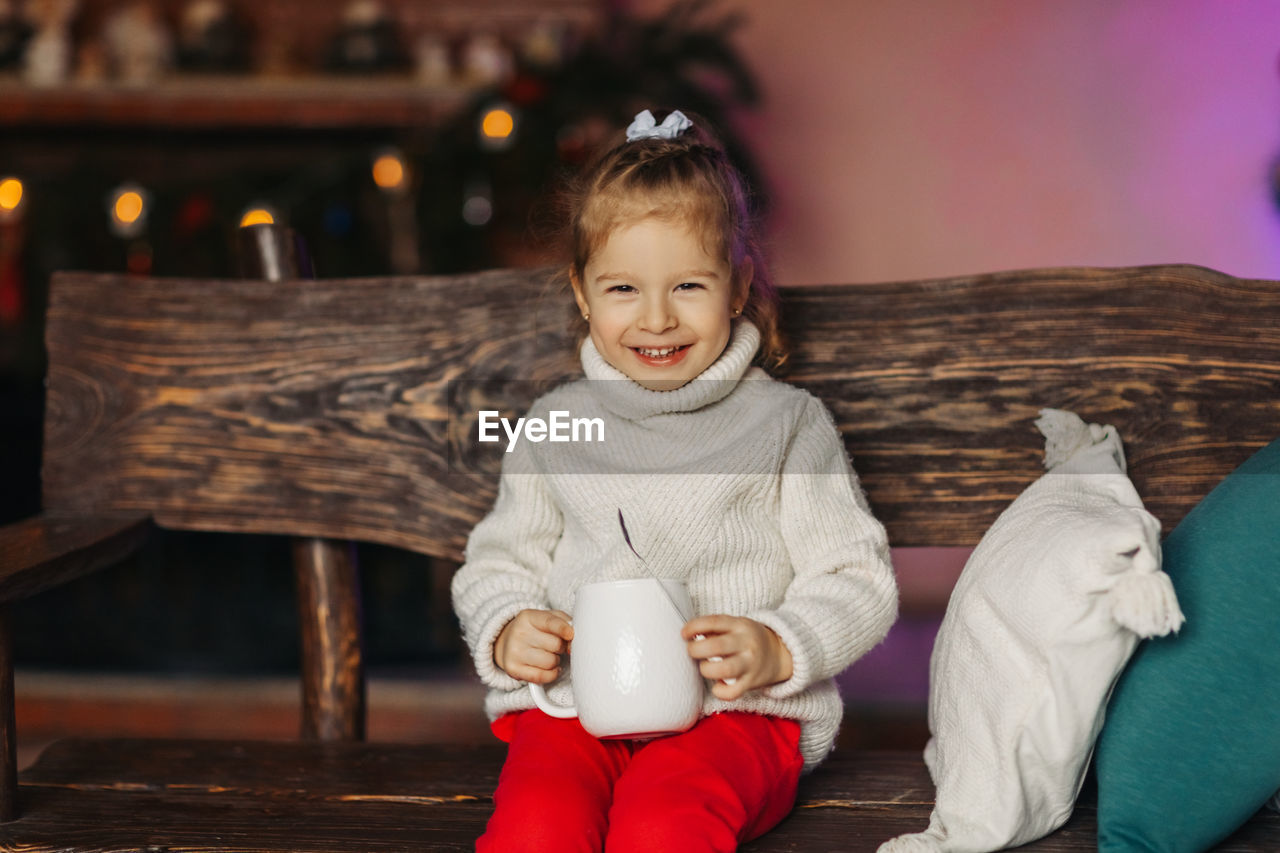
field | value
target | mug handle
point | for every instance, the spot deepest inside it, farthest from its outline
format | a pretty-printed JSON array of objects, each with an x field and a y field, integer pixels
[{"x": 550, "y": 708}]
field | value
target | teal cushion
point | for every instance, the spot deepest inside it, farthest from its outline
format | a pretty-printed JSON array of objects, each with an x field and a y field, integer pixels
[{"x": 1191, "y": 744}]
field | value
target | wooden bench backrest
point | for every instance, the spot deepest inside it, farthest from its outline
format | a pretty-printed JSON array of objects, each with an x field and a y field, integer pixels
[{"x": 341, "y": 407}]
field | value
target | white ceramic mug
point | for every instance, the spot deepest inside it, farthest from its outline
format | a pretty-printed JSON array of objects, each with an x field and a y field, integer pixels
[{"x": 632, "y": 674}]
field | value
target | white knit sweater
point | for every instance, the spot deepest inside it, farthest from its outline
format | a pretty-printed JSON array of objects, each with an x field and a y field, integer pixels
[{"x": 735, "y": 483}]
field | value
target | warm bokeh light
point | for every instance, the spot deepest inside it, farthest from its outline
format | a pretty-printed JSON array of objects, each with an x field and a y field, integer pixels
[
  {"x": 256, "y": 216},
  {"x": 10, "y": 194},
  {"x": 128, "y": 207},
  {"x": 498, "y": 123},
  {"x": 389, "y": 172}
]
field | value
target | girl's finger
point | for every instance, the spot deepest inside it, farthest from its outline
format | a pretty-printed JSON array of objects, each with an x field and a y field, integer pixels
[
  {"x": 540, "y": 676},
  {"x": 716, "y": 623},
  {"x": 727, "y": 691},
  {"x": 702, "y": 647},
  {"x": 719, "y": 670},
  {"x": 555, "y": 622},
  {"x": 547, "y": 642},
  {"x": 729, "y": 679},
  {"x": 540, "y": 659}
]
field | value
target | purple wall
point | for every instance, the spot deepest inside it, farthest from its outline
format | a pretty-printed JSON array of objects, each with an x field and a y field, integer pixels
[{"x": 937, "y": 138}]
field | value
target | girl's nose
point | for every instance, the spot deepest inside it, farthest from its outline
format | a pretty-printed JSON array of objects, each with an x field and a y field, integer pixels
[{"x": 656, "y": 316}]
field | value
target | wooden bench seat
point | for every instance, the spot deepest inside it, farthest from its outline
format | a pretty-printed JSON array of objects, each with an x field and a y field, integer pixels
[
  {"x": 337, "y": 410},
  {"x": 278, "y": 796}
]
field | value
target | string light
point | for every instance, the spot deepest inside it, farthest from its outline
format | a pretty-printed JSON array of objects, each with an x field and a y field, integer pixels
[
  {"x": 497, "y": 123},
  {"x": 390, "y": 172},
  {"x": 129, "y": 207},
  {"x": 10, "y": 195},
  {"x": 257, "y": 214},
  {"x": 138, "y": 260},
  {"x": 477, "y": 207},
  {"x": 498, "y": 128}
]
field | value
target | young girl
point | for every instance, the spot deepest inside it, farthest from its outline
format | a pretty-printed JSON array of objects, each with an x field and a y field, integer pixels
[{"x": 730, "y": 481}]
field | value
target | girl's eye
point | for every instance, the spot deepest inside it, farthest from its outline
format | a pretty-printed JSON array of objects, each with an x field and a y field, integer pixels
[
  {"x": 688, "y": 285},
  {"x": 620, "y": 288}
]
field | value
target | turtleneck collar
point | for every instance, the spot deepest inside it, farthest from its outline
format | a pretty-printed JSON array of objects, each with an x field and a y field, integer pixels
[{"x": 629, "y": 399}]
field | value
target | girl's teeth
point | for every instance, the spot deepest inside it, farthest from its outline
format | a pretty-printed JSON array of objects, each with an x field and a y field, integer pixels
[{"x": 656, "y": 353}]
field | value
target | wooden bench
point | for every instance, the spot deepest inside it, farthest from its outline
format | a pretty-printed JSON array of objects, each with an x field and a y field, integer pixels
[{"x": 339, "y": 409}]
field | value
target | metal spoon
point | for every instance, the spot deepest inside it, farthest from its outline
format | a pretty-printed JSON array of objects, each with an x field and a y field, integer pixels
[{"x": 627, "y": 538}]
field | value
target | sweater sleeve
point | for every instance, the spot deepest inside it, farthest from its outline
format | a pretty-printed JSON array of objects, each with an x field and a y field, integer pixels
[
  {"x": 843, "y": 597},
  {"x": 506, "y": 562}
]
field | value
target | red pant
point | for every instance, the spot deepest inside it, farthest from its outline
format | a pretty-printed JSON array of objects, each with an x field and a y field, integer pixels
[{"x": 729, "y": 779}]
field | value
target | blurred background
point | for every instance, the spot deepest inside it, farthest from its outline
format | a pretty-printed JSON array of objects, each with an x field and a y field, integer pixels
[{"x": 886, "y": 141}]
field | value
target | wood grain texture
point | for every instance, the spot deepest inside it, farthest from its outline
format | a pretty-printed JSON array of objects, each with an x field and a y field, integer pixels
[
  {"x": 230, "y": 795},
  {"x": 936, "y": 384},
  {"x": 36, "y": 554},
  {"x": 46, "y": 550},
  {"x": 304, "y": 408},
  {"x": 330, "y": 616},
  {"x": 342, "y": 407},
  {"x": 326, "y": 573}
]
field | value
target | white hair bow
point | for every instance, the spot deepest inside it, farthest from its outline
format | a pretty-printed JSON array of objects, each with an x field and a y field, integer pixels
[{"x": 645, "y": 126}]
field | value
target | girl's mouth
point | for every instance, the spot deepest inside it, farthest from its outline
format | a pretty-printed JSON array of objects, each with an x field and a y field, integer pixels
[{"x": 661, "y": 356}]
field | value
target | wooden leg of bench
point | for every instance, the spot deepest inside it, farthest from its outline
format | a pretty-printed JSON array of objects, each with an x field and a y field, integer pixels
[
  {"x": 333, "y": 684},
  {"x": 8, "y": 727}
]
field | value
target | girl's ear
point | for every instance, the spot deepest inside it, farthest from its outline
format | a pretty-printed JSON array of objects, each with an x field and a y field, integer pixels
[
  {"x": 579, "y": 294},
  {"x": 742, "y": 285}
]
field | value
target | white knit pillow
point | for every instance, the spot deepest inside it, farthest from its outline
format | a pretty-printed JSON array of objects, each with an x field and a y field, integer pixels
[{"x": 1044, "y": 616}]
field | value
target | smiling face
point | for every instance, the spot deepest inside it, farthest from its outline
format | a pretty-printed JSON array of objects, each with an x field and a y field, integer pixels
[{"x": 660, "y": 306}]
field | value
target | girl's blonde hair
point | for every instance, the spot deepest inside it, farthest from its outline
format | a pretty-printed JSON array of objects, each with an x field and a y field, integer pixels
[{"x": 687, "y": 179}]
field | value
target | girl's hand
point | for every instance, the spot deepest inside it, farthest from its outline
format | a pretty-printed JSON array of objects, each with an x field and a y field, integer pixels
[
  {"x": 748, "y": 652},
  {"x": 530, "y": 645}
]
